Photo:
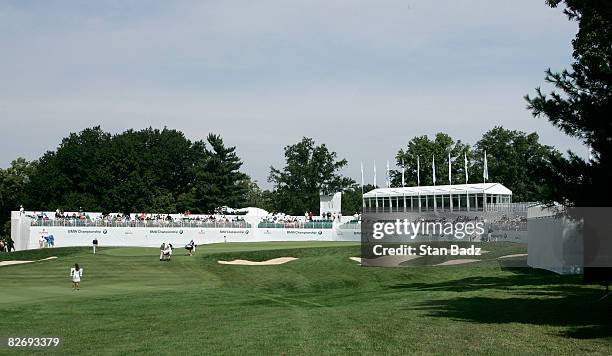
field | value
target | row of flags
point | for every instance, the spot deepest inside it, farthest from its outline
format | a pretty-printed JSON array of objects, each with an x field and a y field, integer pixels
[{"x": 485, "y": 171}]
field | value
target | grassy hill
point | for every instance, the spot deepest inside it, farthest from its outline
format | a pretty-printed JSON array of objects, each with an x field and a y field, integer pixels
[{"x": 322, "y": 303}]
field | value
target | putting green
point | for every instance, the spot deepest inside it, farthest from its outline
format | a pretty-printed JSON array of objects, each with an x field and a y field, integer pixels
[{"x": 321, "y": 303}]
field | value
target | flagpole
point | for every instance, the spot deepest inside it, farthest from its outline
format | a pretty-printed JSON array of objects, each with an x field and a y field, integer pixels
[
  {"x": 485, "y": 169},
  {"x": 362, "y": 178},
  {"x": 433, "y": 169},
  {"x": 418, "y": 172},
  {"x": 403, "y": 174},
  {"x": 375, "y": 186},
  {"x": 388, "y": 176},
  {"x": 450, "y": 182},
  {"x": 465, "y": 162}
]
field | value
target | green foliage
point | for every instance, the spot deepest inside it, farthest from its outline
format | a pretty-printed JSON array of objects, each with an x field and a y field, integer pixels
[
  {"x": 517, "y": 160},
  {"x": 147, "y": 170},
  {"x": 130, "y": 303},
  {"x": 13, "y": 182},
  {"x": 255, "y": 197},
  {"x": 218, "y": 180},
  {"x": 309, "y": 171},
  {"x": 352, "y": 199},
  {"x": 425, "y": 148},
  {"x": 580, "y": 106}
]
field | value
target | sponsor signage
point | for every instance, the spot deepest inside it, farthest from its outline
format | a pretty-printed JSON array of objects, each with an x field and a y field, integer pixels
[
  {"x": 304, "y": 232},
  {"x": 246, "y": 232},
  {"x": 87, "y": 231},
  {"x": 163, "y": 231}
]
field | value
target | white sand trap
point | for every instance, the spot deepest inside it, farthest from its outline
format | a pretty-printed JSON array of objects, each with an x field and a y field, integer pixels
[
  {"x": 456, "y": 262},
  {"x": 272, "y": 262},
  {"x": 517, "y": 255},
  {"x": 11, "y": 263},
  {"x": 385, "y": 260}
]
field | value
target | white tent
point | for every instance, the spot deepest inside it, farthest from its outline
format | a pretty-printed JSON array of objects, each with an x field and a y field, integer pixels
[
  {"x": 456, "y": 197},
  {"x": 251, "y": 211},
  {"x": 488, "y": 188}
]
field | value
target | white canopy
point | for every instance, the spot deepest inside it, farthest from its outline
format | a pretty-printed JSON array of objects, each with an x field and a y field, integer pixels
[
  {"x": 251, "y": 211},
  {"x": 488, "y": 188}
]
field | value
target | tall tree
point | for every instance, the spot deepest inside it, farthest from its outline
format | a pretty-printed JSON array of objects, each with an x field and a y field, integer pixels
[
  {"x": 219, "y": 181},
  {"x": 352, "y": 199},
  {"x": 13, "y": 182},
  {"x": 256, "y": 197},
  {"x": 74, "y": 175},
  {"x": 517, "y": 160},
  {"x": 309, "y": 171},
  {"x": 580, "y": 106},
  {"x": 425, "y": 149}
]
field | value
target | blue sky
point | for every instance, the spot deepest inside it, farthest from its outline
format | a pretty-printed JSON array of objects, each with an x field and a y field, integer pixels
[{"x": 361, "y": 76}]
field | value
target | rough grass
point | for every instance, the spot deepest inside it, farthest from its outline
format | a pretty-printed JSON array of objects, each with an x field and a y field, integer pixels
[{"x": 323, "y": 303}]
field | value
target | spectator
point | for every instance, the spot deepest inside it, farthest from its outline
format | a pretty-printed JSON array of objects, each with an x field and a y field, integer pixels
[
  {"x": 162, "y": 248},
  {"x": 75, "y": 275},
  {"x": 10, "y": 246},
  {"x": 50, "y": 241},
  {"x": 190, "y": 247}
]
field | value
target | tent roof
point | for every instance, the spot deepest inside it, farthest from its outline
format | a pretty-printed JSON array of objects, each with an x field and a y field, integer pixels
[{"x": 489, "y": 188}]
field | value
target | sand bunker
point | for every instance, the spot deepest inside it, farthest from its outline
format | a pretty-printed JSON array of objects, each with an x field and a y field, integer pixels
[
  {"x": 456, "y": 262},
  {"x": 11, "y": 263},
  {"x": 272, "y": 262},
  {"x": 517, "y": 255},
  {"x": 384, "y": 260}
]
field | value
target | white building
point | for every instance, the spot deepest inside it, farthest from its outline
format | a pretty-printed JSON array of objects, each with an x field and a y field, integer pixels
[{"x": 438, "y": 198}]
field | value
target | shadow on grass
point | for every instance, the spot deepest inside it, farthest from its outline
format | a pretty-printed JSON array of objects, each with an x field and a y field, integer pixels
[
  {"x": 517, "y": 279},
  {"x": 526, "y": 297},
  {"x": 582, "y": 317}
]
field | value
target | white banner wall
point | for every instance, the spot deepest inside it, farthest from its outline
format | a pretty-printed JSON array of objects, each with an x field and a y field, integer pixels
[{"x": 178, "y": 237}]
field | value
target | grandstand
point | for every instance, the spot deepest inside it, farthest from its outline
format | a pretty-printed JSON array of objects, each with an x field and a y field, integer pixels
[
  {"x": 151, "y": 230},
  {"x": 442, "y": 198},
  {"x": 490, "y": 203}
]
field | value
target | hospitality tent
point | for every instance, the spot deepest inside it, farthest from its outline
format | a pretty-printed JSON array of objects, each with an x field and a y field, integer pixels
[{"x": 457, "y": 197}]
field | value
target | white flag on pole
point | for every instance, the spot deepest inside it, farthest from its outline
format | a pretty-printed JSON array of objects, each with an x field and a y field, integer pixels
[
  {"x": 433, "y": 169},
  {"x": 418, "y": 171},
  {"x": 465, "y": 162},
  {"x": 403, "y": 173},
  {"x": 485, "y": 169},
  {"x": 450, "y": 180},
  {"x": 375, "y": 174},
  {"x": 362, "y": 176},
  {"x": 388, "y": 180}
]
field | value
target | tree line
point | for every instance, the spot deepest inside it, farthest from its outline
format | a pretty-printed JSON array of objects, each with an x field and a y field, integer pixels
[{"x": 162, "y": 171}]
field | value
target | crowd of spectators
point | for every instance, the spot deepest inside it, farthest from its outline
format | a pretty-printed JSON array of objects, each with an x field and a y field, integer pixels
[
  {"x": 6, "y": 245},
  {"x": 284, "y": 219},
  {"x": 185, "y": 219}
]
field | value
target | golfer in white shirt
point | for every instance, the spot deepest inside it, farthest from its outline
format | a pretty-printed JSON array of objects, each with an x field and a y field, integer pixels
[{"x": 75, "y": 275}]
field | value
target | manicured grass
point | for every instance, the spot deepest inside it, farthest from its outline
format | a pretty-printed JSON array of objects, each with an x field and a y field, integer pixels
[{"x": 323, "y": 303}]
